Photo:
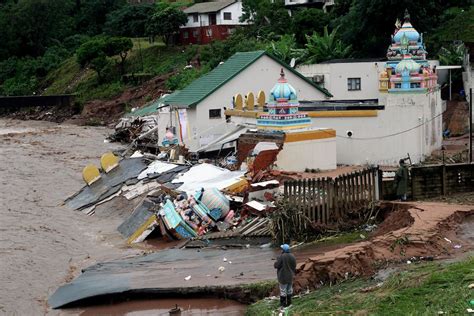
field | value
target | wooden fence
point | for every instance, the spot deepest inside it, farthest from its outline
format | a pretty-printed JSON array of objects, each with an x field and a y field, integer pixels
[
  {"x": 326, "y": 200},
  {"x": 437, "y": 180}
]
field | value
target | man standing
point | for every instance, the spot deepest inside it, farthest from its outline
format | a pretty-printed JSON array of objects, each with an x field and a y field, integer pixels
[
  {"x": 286, "y": 269},
  {"x": 401, "y": 181}
]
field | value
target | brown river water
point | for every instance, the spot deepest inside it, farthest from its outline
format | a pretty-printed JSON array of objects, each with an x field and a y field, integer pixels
[{"x": 42, "y": 243}]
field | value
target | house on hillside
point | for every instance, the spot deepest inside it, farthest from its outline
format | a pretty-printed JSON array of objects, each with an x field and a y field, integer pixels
[
  {"x": 208, "y": 21},
  {"x": 197, "y": 112}
]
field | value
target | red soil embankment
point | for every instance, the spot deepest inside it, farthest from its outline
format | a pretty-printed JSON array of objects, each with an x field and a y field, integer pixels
[{"x": 413, "y": 230}]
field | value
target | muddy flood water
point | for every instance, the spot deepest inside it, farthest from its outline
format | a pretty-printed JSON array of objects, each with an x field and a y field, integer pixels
[{"x": 42, "y": 243}]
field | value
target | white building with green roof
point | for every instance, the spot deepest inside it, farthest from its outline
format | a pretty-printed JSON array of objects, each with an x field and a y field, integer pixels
[{"x": 205, "y": 100}]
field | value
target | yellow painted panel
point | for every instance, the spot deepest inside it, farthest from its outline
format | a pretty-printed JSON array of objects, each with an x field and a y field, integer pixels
[
  {"x": 242, "y": 113},
  {"x": 237, "y": 187},
  {"x": 141, "y": 229},
  {"x": 261, "y": 99},
  {"x": 238, "y": 102},
  {"x": 250, "y": 101},
  {"x": 310, "y": 135},
  {"x": 90, "y": 174},
  {"x": 108, "y": 161}
]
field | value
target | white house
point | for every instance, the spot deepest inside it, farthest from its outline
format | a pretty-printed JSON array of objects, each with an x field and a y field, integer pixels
[
  {"x": 208, "y": 21},
  {"x": 199, "y": 109}
]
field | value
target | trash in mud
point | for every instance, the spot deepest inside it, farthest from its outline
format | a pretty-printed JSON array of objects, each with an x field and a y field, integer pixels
[{"x": 187, "y": 278}]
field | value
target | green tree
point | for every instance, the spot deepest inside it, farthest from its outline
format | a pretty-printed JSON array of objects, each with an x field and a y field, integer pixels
[
  {"x": 452, "y": 55},
  {"x": 166, "y": 22},
  {"x": 95, "y": 52},
  {"x": 29, "y": 27},
  {"x": 129, "y": 20},
  {"x": 100, "y": 64},
  {"x": 307, "y": 21},
  {"x": 265, "y": 17},
  {"x": 118, "y": 46},
  {"x": 91, "y": 15},
  {"x": 90, "y": 50},
  {"x": 92, "y": 54},
  {"x": 456, "y": 24},
  {"x": 285, "y": 48},
  {"x": 321, "y": 48},
  {"x": 219, "y": 51}
]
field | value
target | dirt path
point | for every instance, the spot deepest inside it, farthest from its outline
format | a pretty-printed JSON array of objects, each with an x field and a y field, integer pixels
[{"x": 43, "y": 244}]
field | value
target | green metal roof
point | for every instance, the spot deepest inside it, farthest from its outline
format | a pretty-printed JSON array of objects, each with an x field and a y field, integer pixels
[
  {"x": 152, "y": 107},
  {"x": 202, "y": 87}
]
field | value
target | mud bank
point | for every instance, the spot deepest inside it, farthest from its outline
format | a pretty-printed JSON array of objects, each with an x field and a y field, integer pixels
[{"x": 415, "y": 230}]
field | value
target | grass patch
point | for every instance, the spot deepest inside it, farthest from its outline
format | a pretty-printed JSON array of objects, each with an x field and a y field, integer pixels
[
  {"x": 261, "y": 289},
  {"x": 423, "y": 289},
  {"x": 62, "y": 79},
  {"x": 92, "y": 90}
]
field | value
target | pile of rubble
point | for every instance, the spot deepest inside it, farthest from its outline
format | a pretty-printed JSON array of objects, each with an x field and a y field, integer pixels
[{"x": 179, "y": 199}]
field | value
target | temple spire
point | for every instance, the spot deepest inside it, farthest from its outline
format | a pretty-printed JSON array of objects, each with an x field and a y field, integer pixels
[{"x": 407, "y": 16}]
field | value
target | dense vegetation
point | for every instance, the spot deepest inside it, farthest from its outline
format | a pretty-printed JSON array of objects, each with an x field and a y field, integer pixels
[{"x": 87, "y": 46}]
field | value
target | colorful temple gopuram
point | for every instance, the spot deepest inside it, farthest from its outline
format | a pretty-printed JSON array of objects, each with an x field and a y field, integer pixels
[
  {"x": 303, "y": 146},
  {"x": 407, "y": 70},
  {"x": 282, "y": 108}
]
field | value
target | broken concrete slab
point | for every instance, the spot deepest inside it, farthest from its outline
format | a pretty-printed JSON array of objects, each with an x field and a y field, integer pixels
[{"x": 164, "y": 273}]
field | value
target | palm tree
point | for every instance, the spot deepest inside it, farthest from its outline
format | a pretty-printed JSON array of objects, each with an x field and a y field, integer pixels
[
  {"x": 285, "y": 48},
  {"x": 321, "y": 48}
]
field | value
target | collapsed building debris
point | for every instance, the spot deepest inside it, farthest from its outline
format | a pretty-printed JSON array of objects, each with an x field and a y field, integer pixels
[{"x": 181, "y": 201}]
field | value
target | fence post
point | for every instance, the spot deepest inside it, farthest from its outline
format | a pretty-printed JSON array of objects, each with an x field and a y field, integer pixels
[
  {"x": 378, "y": 183},
  {"x": 336, "y": 198},
  {"x": 444, "y": 180}
]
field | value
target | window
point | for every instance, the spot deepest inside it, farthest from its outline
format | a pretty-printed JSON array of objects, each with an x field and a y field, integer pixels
[
  {"x": 195, "y": 18},
  {"x": 353, "y": 84},
  {"x": 227, "y": 15},
  {"x": 209, "y": 32},
  {"x": 215, "y": 113},
  {"x": 185, "y": 34}
]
